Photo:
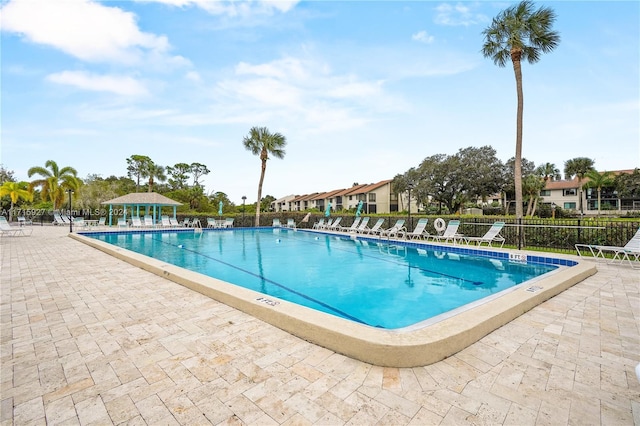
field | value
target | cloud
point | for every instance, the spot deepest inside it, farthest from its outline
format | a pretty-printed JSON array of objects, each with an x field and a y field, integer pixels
[
  {"x": 121, "y": 85},
  {"x": 458, "y": 15},
  {"x": 423, "y": 37},
  {"x": 243, "y": 8},
  {"x": 84, "y": 29},
  {"x": 306, "y": 92}
]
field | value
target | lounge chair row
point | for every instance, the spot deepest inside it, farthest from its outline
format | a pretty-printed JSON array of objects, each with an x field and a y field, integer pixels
[{"x": 398, "y": 230}]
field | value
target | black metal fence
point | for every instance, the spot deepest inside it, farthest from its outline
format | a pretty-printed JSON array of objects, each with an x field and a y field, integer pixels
[{"x": 533, "y": 234}]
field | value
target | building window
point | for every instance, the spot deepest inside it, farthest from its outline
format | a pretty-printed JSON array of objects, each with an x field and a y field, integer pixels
[
  {"x": 569, "y": 206},
  {"x": 545, "y": 193},
  {"x": 569, "y": 192},
  {"x": 372, "y": 197}
]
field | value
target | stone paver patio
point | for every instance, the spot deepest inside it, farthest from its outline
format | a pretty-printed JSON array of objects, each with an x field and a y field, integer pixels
[{"x": 88, "y": 339}]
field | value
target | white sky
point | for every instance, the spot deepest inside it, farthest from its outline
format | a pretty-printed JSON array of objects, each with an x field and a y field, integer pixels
[{"x": 361, "y": 90}]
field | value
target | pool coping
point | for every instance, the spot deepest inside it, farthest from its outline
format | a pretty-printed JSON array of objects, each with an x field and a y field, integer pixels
[{"x": 411, "y": 347}]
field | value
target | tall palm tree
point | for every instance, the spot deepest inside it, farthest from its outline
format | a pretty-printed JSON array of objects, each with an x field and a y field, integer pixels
[
  {"x": 263, "y": 143},
  {"x": 578, "y": 167},
  {"x": 154, "y": 172},
  {"x": 55, "y": 181},
  {"x": 15, "y": 191},
  {"x": 598, "y": 181},
  {"x": 520, "y": 33}
]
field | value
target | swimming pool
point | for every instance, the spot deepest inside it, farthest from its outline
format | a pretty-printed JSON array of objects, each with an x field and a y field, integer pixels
[
  {"x": 418, "y": 343},
  {"x": 377, "y": 283}
]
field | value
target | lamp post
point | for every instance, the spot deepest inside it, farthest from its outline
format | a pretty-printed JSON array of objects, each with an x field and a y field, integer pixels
[
  {"x": 70, "y": 217},
  {"x": 244, "y": 198},
  {"x": 409, "y": 186}
]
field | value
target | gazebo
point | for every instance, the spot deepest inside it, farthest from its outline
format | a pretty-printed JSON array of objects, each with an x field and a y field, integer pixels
[{"x": 152, "y": 202}]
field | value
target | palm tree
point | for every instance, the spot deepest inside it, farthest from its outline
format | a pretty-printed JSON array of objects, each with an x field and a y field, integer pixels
[
  {"x": 520, "y": 33},
  {"x": 598, "y": 181},
  {"x": 548, "y": 171},
  {"x": 154, "y": 172},
  {"x": 55, "y": 181},
  {"x": 16, "y": 191},
  {"x": 578, "y": 167},
  {"x": 532, "y": 185},
  {"x": 261, "y": 142}
]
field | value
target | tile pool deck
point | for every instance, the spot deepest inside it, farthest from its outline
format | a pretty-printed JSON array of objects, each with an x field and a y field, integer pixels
[{"x": 89, "y": 339}]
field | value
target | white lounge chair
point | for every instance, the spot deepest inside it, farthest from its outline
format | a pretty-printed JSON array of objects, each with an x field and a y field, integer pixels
[
  {"x": 78, "y": 223},
  {"x": 363, "y": 225},
  {"x": 136, "y": 222},
  {"x": 148, "y": 221},
  {"x": 319, "y": 224},
  {"x": 122, "y": 223},
  {"x": 291, "y": 223},
  {"x": 375, "y": 229},
  {"x": 174, "y": 222},
  {"x": 450, "y": 234},
  {"x": 58, "y": 219},
  {"x": 23, "y": 221},
  {"x": 627, "y": 252},
  {"x": 13, "y": 231},
  {"x": 165, "y": 222},
  {"x": 228, "y": 223},
  {"x": 276, "y": 223},
  {"x": 419, "y": 232},
  {"x": 212, "y": 223},
  {"x": 395, "y": 230},
  {"x": 353, "y": 227},
  {"x": 327, "y": 224},
  {"x": 335, "y": 226},
  {"x": 491, "y": 236}
]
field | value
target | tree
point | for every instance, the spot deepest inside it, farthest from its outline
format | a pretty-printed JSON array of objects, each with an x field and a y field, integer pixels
[
  {"x": 198, "y": 170},
  {"x": 482, "y": 172},
  {"x": 55, "y": 181},
  {"x": 265, "y": 203},
  {"x": 15, "y": 191},
  {"x": 136, "y": 168},
  {"x": 598, "y": 181},
  {"x": 441, "y": 177},
  {"x": 153, "y": 172},
  {"x": 6, "y": 175},
  {"x": 548, "y": 171},
  {"x": 509, "y": 190},
  {"x": 178, "y": 175},
  {"x": 578, "y": 167},
  {"x": 520, "y": 33},
  {"x": 263, "y": 143},
  {"x": 628, "y": 184},
  {"x": 531, "y": 186}
]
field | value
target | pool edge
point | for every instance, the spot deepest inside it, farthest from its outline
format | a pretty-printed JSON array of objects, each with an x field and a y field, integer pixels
[{"x": 387, "y": 348}]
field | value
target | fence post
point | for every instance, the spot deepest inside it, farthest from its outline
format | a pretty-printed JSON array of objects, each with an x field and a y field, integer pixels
[
  {"x": 579, "y": 231},
  {"x": 519, "y": 233}
]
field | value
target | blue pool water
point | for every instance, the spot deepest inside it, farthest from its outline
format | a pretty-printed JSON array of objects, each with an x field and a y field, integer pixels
[{"x": 372, "y": 282}]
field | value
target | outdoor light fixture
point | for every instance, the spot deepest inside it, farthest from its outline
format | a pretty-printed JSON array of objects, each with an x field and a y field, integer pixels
[
  {"x": 409, "y": 186},
  {"x": 70, "y": 191},
  {"x": 244, "y": 198}
]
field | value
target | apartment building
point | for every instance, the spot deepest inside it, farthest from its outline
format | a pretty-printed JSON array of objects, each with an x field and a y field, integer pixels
[{"x": 375, "y": 197}]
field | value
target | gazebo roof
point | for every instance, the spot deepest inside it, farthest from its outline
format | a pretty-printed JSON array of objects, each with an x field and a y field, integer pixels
[{"x": 144, "y": 198}]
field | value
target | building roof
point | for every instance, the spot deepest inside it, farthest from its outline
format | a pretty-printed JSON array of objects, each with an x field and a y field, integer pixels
[
  {"x": 143, "y": 198},
  {"x": 573, "y": 183}
]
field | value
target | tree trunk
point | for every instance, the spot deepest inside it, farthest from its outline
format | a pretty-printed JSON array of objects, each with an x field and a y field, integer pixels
[
  {"x": 264, "y": 168},
  {"x": 517, "y": 169}
]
